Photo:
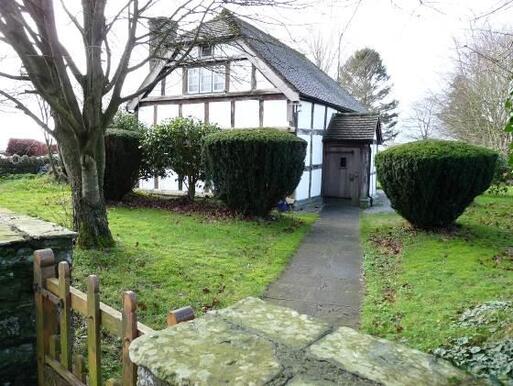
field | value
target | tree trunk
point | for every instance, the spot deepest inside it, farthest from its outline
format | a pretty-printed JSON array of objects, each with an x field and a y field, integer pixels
[
  {"x": 85, "y": 173},
  {"x": 191, "y": 188}
]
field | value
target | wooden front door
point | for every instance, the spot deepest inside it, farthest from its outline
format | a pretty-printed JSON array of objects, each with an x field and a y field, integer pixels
[{"x": 341, "y": 172}]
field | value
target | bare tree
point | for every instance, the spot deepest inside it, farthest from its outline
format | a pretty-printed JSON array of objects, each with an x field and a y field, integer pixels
[
  {"x": 472, "y": 108},
  {"x": 321, "y": 52},
  {"x": 423, "y": 121},
  {"x": 84, "y": 94}
]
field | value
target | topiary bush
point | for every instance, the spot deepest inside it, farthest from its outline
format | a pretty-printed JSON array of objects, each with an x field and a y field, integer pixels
[
  {"x": 122, "y": 162},
  {"x": 431, "y": 182},
  {"x": 252, "y": 169}
]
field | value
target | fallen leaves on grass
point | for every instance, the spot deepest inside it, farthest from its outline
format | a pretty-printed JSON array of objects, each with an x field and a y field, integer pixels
[
  {"x": 208, "y": 208},
  {"x": 387, "y": 243}
]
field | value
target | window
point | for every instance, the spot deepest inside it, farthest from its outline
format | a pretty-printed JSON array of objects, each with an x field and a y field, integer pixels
[
  {"x": 206, "y": 51},
  {"x": 205, "y": 80},
  {"x": 219, "y": 79},
  {"x": 193, "y": 80},
  {"x": 343, "y": 162}
]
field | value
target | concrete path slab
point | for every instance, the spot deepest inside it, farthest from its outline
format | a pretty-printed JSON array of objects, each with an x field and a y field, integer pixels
[{"x": 324, "y": 278}]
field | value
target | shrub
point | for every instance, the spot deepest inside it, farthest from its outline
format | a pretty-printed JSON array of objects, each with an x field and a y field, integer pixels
[
  {"x": 252, "y": 169},
  {"x": 431, "y": 182},
  {"x": 22, "y": 165},
  {"x": 122, "y": 162},
  {"x": 29, "y": 147},
  {"x": 177, "y": 144},
  {"x": 502, "y": 177},
  {"x": 127, "y": 121}
]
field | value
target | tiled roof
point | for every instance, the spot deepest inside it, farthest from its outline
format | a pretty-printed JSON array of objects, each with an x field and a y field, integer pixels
[
  {"x": 354, "y": 127},
  {"x": 293, "y": 67}
]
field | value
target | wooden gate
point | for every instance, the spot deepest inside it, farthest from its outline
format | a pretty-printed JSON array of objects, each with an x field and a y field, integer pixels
[{"x": 55, "y": 299}]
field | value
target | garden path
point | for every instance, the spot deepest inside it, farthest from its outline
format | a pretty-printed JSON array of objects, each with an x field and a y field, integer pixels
[{"x": 324, "y": 278}]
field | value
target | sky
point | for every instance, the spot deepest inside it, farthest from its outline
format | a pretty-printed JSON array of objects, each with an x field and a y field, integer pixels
[{"x": 416, "y": 40}]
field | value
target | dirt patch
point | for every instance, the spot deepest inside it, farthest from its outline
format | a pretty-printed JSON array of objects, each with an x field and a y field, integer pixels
[{"x": 206, "y": 207}]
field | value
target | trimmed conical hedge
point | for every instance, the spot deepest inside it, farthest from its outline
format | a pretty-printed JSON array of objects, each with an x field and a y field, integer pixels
[
  {"x": 252, "y": 169},
  {"x": 431, "y": 182}
]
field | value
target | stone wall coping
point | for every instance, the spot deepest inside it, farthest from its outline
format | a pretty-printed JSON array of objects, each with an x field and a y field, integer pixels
[
  {"x": 15, "y": 228},
  {"x": 259, "y": 343}
]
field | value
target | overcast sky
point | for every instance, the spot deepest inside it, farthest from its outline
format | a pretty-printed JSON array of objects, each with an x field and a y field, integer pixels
[{"x": 416, "y": 41}]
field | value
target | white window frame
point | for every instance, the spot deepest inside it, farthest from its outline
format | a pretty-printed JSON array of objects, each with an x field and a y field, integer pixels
[
  {"x": 209, "y": 55},
  {"x": 215, "y": 76},
  {"x": 190, "y": 71}
]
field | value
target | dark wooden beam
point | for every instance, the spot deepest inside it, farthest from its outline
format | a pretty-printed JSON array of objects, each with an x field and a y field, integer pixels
[
  {"x": 212, "y": 97},
  {"x": 232, "y": 113},
  {"x": 261, "y": 112}
]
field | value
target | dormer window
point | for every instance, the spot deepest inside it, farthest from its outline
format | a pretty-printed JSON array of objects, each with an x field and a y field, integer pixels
[{"x": 206, "y": 51}]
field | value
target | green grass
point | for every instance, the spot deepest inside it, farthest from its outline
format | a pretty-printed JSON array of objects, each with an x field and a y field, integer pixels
[
  {"x": 418, "y": 283},
  {"x": 170, "y": 260}
]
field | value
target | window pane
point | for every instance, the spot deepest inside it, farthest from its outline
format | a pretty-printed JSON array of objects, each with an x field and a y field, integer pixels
[
  {"x": 193, "y": 80},
  {"x": 219, "y": 79},
  {"x": 206, "y": 51},
  {"x": 206, "y": 80}
]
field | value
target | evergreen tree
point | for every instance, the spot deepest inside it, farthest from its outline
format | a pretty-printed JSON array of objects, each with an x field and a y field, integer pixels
[{"x": 365, "y": 77}]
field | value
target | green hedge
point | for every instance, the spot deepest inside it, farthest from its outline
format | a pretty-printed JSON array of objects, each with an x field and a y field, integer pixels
[
  {"x": 430, "y": 183},
  {"x": 23, "y": 165},
  {"x": 252, "y": 169},
  {"x": 122, "y": 162}
]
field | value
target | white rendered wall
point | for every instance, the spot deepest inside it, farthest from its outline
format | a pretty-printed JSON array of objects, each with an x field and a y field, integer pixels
[
  {"x": 307, "y": 139},
  {"x": 318, "y": 117},
  {"x": 220, "y": 113},
  {"x": 169, "y": 182},
  {"x": 304, "y": 119},
  {"x": 166, "y": 112},
  {"x": 174, "y": 83},
  {"x": 145, "y": 115},
  {"x": 147, "y": 184},
  {"x": 240, "y": 76},
  {"x": 302, "y": 188},
  {"x": 275, "y": 113},
  {"x": 194, "y": 110},
  {"x": 261, "y": 81},
  {"x": 247, "y": 114},
  {"x": 316, "y": 183},
  {"x": 317, "y": 149},
  {"x": 329, "y": 115}
]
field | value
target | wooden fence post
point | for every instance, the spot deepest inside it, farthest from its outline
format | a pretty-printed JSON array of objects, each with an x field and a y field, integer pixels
[
  {"x": 79, "y": 368},
  {"x": 93, "y": 330},
  {"x": 128, "y": 334},
  {"x": 44, "y": 268},
  {"x": 65, "y": 315},
  {"x": 180, "y": 315}
]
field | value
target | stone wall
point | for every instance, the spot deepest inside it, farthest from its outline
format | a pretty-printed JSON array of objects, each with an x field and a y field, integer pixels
[
  {"x": 20, "y": 236},
  {"x": 256, "y": 343}
]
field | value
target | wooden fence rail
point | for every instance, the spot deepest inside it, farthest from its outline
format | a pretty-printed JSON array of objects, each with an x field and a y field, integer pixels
[{"x": 55, "y": 299}]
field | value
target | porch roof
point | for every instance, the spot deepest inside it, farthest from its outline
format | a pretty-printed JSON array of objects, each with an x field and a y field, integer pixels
[{"x": 354, "y": 127}]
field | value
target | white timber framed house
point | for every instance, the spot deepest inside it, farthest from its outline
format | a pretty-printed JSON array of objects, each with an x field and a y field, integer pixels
[{"x": 238, "y": 76}]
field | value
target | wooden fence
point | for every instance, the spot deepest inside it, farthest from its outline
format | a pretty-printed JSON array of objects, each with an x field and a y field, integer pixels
[{"x": 55, "y": 299}]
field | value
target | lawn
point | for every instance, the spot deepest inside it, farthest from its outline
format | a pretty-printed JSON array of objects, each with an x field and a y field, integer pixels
[
  {"x": 169, "y": 259},
  {"x": 419, "y": 284}
]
